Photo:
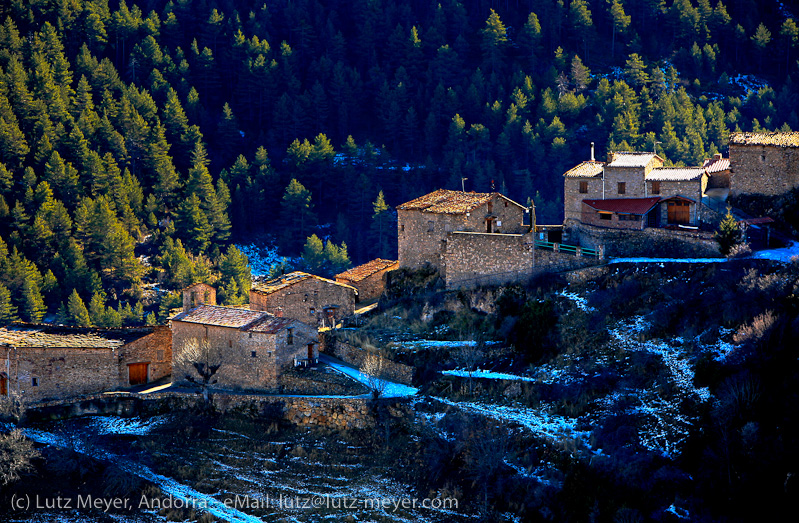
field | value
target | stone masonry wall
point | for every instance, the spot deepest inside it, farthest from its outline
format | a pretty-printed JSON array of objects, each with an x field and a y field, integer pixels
[
  {"x": 154, "y": 348},
  {"x": 355, "y": 356},
  {"x": 648, "y": 242},
  {"x": 372, "y": 286},
  {"x": 474, "y": 256},
  {"x": 60, "y": 373},
  {"x": 633, "y": 178},
  {"x": 765, "y": 170},
  {"x": 573, "y": 198},
  {"x": 306, "y": 301}
]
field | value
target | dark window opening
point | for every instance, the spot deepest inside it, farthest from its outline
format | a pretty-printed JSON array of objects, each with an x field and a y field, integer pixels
[
  {"x": 229, "y": 343},
  {"x": 655, "y": 187},
  {"x": 254, "y": 354},
  {"x": 605, "y": 216},
  {"x": 429, "y": 226},
  {"x": 583, "y": 187},
  {"x": 290, "y": 337},
  {"x": 35, "y": 382},
  {"x": 622, "y": 187}
]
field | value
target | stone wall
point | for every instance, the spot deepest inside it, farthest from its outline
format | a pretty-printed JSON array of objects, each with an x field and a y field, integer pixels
[
  {"x": 50, "y": 373},
  {"x": 373, "y": 285},
  {"x": 327, "y": 413},
  {"x": 764, "y": 170},
  {"x": 355, "y": 356},
  {"x": 591, "y": 216},
  {"x": 632, "y": 177},
  {"x": 648, "y": 242},
  {"x": 477, "y": 256},
  {"x": 307, "y": 301},
  {"x": 550, "y": 261},
  {"x": 319, "y": 381},
  {"x": 573, "y": 198},
  {"x": 154, "y": 348}
]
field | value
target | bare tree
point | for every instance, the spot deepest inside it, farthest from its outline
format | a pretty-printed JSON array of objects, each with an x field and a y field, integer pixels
[
  {"x": 16, "y": 453},
  {"x": 12, "y": 406},
  {"x": 199, "y": 361},
  {"x": 470, "y": 355},
  {"x": 372, "y": 367}
]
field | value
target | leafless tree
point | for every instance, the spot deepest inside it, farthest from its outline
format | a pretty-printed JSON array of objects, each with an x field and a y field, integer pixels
[
  {"x": 12, "y": 406},
  {"x": 372, "y": 367},
  {"x": 16, "y": 453},
  {"x": 199, "y": 361},
  {"x": 470, "y": 355}
]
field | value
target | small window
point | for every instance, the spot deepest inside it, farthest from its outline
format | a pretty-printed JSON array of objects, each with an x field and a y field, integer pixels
[
  {"x": 289, "y": 336},
  {"x": 35, "y": 382},
  {"x": 490, "y": 207},
  {"x": 506, "y": 204},
  {"x": 402, "y": 227},
  {"x": 605, "y": 216},
  {"x": 429, "y": 226},
  {"x": 655, "y": 187},
  {"x": 229, "y": 343},
  {"x": 254, "y": 354},
  {"x": 251, "y": 335},
  {"x": 583, "y": 187},
  {"x": 159, "y": 355},
  {"x": 312, "y": 311},
  {"x": 762, "y": 157},
  {"x": 622, "y": 188}
]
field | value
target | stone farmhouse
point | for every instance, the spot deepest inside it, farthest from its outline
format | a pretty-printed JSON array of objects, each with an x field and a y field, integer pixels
[
  {"x": 632, "y": 205},
  {"x": 252, "y": 347},
  {"x": 764, "y": 163},
  {"x": 305, "y": 297},
  {"x": 370, "y": 278},
  {"x": 52, "y": 361}
]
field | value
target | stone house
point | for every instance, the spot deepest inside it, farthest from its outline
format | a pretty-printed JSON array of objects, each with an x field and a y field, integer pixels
[
  {"x": 678, "y": 192},
  {"x": 52, "y": 362},
  {"x": 718, "y": 171},
  {"x": 251, "y": 347},
  {"x": 765, "y": 163},
  {"x": 370, "y": 278},
  {"x": 424, "y": 223},
  {"x": 305, "y": 297},
  {"x": 198, "y": 294}
]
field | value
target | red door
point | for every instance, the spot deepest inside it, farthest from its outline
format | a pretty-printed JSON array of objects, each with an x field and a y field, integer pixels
[
  {"x": 137, "y": 373},
  {"x": 3, "y": 385}
]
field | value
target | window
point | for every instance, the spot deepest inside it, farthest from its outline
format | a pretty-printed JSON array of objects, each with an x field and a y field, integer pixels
[
  {"x": 35, "y": 382},
  {"x": 312, "y": 311},
  {"x": 429, "y": 226},
  {"x": 762, "y": 157},
  {"x": 506, "y": 204},
  {"x": 159, "y": 355},
  {"x": 229, "y": 343},
  {"x": 605, "y": 216},
  {"x": 289, "y": 336},
  {"x": 490, "y": 207},
  {"x": 254, "y": 354},
  {"x": 583, "y": 187},
  {"x": 629, "y": 217},
  {"x": 622, "y": 187},
  {"x": 655, "y": 187},
  {"x": 402, "y": 227}
]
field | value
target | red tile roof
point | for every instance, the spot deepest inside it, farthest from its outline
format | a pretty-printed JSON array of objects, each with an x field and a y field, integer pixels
[
  {"x": 585, "y": 170},
  {"x": 362, "y": 272},
  {"x": 714, "y": 165},
  {"x": 770, "y": 138},
  {"x": 624, "y": 205},
  {"x": 286, "y": 280}
]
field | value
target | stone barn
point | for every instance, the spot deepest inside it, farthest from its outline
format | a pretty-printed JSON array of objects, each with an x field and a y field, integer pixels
[
  {"x": 251, "y": 347},
  {"x": 198, "y": 294},
  {"x": 764, "y": 163},
  {"x": 424, "y": 223},
  {"x": 52, "y": 362},
  {"x": 370, "y": 278},
  {"x": 305, "y": 297}
]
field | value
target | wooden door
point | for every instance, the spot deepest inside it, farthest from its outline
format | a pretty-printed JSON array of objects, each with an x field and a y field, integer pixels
[
  {"x": 679, "y": 212},
  {"x": 310, "y": 351},
  {"x": 3, "y": 385},
  {"x": 137, "y": 373}
]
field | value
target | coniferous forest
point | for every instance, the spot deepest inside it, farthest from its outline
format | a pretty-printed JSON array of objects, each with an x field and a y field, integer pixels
[{"x": 140, "y": 139}]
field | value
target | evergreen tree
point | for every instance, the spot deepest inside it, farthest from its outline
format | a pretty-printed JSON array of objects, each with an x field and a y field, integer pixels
[
  {"x": 8, "y": 311},
  {"x": 76, "y": 310},
  {"x": 297, "y": 216}
]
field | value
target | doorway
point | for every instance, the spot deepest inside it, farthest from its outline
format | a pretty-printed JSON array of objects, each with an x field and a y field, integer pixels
[
  {"x": 3, "y": 385},
  {"x": 137, "y": 373},
  {"x": 679, "y": 212}
]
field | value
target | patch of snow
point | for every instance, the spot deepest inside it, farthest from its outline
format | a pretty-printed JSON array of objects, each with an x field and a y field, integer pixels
[
  {"x": 784, "y": 254},
  {"x": 681, "y": 513},
  {"x": 668, "y": 260},
  {"x": 127, "y": 426},
  {"x": 389, "y": 388},
  {"x": 261, "y": 257},
  {"x": 435, "y": 344},
  {"x": 580, "y": 301},
  {"x": 486, "y": 374}
]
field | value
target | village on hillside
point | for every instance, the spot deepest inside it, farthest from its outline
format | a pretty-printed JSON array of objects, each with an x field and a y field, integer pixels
[{"x": 628, "y": 206}]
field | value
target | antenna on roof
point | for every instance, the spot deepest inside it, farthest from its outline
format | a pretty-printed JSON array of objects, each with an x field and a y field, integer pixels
[{"x": 592, "y": 152}]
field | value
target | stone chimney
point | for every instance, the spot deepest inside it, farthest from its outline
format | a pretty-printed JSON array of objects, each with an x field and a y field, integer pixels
[{"x": 592, "y": 152}]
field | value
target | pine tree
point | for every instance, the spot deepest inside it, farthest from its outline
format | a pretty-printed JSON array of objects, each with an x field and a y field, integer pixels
[
  {"x": 728, "y": 235},
  {"x": 297, "y": 216},
  {"x": 76, "y": 310},
  {"x": 33, "y": 307},
  {"x": 8, "y": 311},
  {"x": 383, "y": 228}
]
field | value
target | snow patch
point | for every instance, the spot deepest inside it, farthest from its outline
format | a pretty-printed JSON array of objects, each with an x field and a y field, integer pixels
[{"x": 486, "y": 374}]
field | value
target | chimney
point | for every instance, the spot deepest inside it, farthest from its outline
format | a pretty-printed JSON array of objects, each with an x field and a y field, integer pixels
[
  {"x": 717, "y": 156},
  {"x": 592, "y": 152}
]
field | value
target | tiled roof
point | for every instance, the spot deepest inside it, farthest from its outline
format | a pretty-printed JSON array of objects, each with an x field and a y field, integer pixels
[
  {"x": 443, "y": 201},
  {"x": 714, "y": 165},
  {"x": 631, "y": 159},
  {"x": 774, "y": 138},
  {"x": 367, "y": 269},
  {"x": 271, "y": 324},
  {"x": 585, "y": 170},
  {"x": 198, "y": 284},
  {"x": 675, "y": 174},
  {"x": 55, "y": 337},
  {"x": 289, "y": 279},
  {"x": 624, "y": 205},
  {"x": 221, "y": 316}
]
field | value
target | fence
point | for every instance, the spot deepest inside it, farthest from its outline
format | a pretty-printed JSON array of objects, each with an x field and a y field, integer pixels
[{"x": 569, "y": 249}]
